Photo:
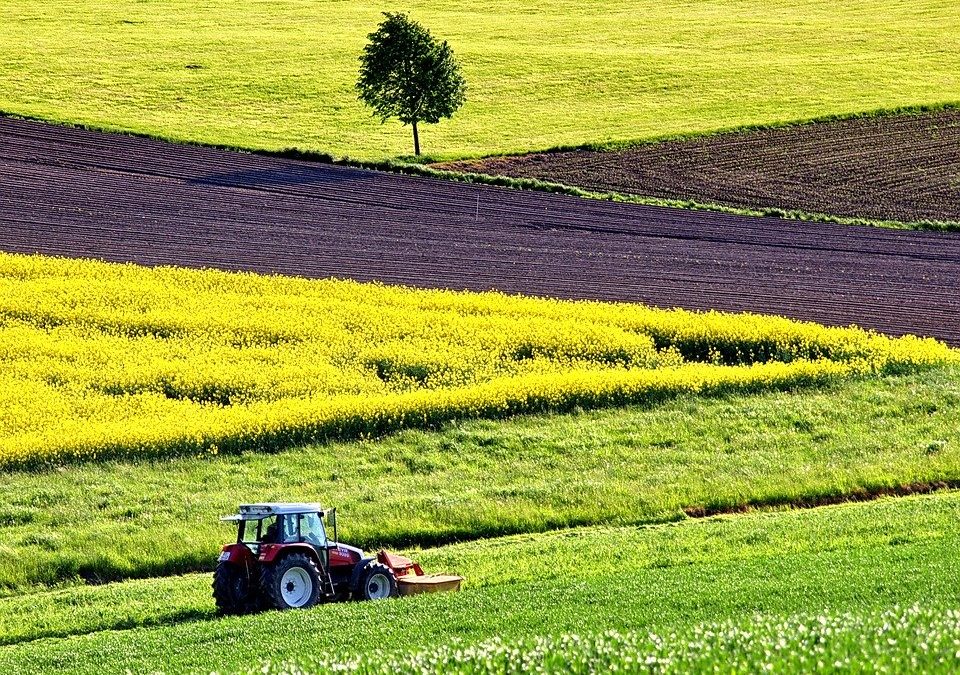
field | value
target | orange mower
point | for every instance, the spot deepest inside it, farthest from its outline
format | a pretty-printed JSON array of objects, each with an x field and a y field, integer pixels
[{"x": 284, "y": 558}]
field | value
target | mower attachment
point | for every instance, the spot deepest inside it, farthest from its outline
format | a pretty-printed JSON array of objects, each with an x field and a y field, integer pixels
[{"x": 410, "y": 577}]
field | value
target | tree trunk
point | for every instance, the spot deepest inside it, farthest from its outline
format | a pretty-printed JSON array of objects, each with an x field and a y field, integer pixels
[{"x": 416, "y": 139}]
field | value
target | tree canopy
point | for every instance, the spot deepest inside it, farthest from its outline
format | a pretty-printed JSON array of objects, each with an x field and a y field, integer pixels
[{"x": 407, "y": 73}]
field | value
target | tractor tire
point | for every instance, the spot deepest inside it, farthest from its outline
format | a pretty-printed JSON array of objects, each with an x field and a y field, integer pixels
[
  {"x": 291, "y": 583},
  {"x": 376, "y": 582},
  {"x": 232, "y": 590}
]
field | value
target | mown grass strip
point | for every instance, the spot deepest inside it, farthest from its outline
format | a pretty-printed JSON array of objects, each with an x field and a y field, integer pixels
[
  {"x": 850, "y": 558},
  {"x": 769, "y": 161},
  {"x": 476, "y": 479}
]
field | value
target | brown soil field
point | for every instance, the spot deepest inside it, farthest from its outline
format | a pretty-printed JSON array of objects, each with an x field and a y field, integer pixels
[
  {"x": 72, "y": 192},
  {"x": 901, "y": 167}
]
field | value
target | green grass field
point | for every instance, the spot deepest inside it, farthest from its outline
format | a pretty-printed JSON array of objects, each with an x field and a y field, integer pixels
[
  {"x": 856, "y": 558},
  {"x": 540, "y": 74}
]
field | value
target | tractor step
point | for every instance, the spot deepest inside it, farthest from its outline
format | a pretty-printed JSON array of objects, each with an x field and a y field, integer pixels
[{"x": 326, "y": 585}]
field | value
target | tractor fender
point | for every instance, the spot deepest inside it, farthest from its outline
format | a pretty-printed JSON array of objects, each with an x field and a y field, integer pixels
[
  {"x": 237, "y": 554},
  {"x": 357, "y": 571},
  {"x": 271, "y": 553}
]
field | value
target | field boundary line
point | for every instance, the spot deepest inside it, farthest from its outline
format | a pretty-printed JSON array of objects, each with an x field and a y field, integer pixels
[
  {"x": 855, "y": 496},
  {"x": 536, "y": 185},
  {"x": 607, "y": 146},
  {"x": 423, "y": 169}
]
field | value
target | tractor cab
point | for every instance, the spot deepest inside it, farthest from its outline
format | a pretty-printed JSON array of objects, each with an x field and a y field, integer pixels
[{"x": 272, "y": 525}]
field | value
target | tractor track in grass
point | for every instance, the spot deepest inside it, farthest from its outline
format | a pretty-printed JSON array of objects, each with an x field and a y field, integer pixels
[
  {"x": 855, "y": 495},
  {"x": 74, "y": 192}
]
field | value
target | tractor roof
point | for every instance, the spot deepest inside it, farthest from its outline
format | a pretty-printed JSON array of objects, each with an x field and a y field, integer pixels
[{"x": 260, "y": 511}]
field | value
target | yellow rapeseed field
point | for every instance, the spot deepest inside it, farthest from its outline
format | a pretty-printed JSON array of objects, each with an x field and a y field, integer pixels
[{"x": 105, "y": 360}]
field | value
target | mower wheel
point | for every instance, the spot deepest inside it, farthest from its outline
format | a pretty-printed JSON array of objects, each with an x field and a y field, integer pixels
[
  {"x": 232, "y": 590},
  {"x": 291, "y": 583},
  {"x": 376, "y": 582}
]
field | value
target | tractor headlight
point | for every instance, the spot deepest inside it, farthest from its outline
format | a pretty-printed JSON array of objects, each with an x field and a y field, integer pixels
[{"x": 224, "y": 555}]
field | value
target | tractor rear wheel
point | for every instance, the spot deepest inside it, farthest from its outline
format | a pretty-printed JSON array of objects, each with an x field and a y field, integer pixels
[
  {"x": 376, "y": 582},
  {"x": 232, "y": 590},
  {"x": 292, "y": 583}
]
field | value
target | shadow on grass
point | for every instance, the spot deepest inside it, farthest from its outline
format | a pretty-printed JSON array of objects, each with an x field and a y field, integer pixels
[{"x": 121, "y": 623}]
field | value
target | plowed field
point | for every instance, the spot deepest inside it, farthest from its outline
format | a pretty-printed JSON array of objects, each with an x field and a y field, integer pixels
[
  {"x": 78, "y": 193},
  {"x": 904, "y": 168}
]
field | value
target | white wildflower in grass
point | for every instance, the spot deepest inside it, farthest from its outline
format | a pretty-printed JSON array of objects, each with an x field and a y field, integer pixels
[{"x": 912, "y": 639}]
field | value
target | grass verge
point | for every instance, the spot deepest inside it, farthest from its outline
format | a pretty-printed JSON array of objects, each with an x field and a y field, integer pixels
[{"x": 627, "y": 198}]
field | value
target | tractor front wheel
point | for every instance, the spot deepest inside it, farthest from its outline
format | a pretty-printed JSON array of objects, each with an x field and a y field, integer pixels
[
  {"x": 292, "y": 583},
  {"x": 376, "y": 582},
  {"x": 232, "y": 591}
]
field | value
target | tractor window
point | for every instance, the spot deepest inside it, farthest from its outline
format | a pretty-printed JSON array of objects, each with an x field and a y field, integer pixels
[
  {"x": 311, "y": 529},
  {"x": 269, "y": 530},
  {"x": 290, "y": 534},
  {"x": 248, "y": 531}
]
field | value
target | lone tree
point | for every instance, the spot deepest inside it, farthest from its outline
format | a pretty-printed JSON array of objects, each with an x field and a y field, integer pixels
[{"x": 406, "y": 73}]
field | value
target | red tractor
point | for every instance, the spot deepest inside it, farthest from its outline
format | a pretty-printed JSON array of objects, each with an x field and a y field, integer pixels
[{"x": 285, "y": 558}]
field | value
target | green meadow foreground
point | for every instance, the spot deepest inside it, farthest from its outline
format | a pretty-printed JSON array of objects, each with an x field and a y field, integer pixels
[
  {"x": 857, "y": 559},
  {"x": 540, "y": 74},
  {"x": 886, "y": 640}
]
